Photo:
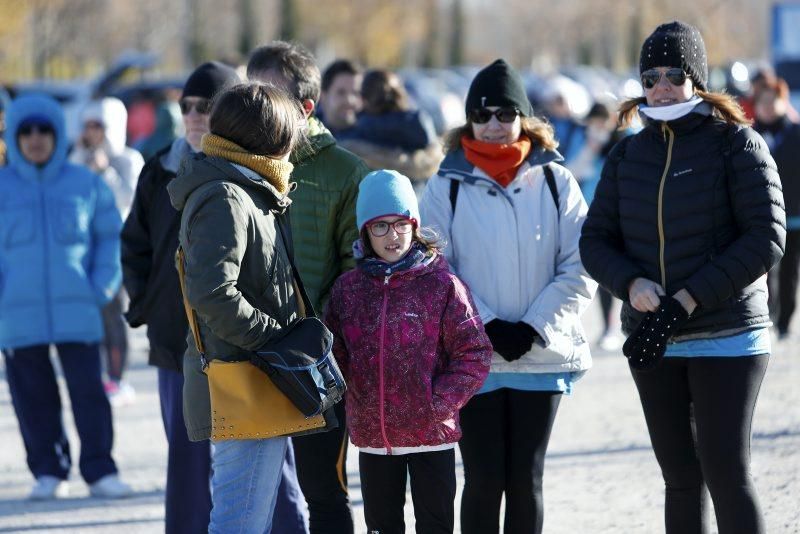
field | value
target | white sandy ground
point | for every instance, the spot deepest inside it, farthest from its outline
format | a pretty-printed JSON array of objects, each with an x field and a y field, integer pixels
[{"x": 600, "y": 477}]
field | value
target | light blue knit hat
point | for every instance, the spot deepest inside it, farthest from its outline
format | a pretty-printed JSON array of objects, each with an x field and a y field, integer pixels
[{"x": 385, "y": 192}]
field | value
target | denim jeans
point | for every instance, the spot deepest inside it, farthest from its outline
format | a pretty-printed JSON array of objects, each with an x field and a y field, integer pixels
[{"x": 244, "y": 484}]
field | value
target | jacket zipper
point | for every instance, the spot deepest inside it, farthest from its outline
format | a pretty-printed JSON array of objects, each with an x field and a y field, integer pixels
[
  {"x": 380, "y": 364},
  {"x": 665, "y": 130},
  {"x": 46, "y": 270}
]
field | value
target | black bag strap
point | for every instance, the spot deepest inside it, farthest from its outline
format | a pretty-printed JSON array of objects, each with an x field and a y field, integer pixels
[
  {"x": 285, "y": 229},
  {"x": 549, "y": 177},
  {"x": 454, "y": 185}
]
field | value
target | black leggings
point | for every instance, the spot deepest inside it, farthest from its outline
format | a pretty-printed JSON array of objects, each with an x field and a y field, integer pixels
[
  {"x": 433, "y": 490},
  {"x": 698, "y": 413},
  {"x": 505, "y": 436}
]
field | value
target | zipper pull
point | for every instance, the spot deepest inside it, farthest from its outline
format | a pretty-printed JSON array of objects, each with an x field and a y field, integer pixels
[
  {"x": 203, "y": 362},
  {"x": 386, "y": 280},
  {"x": 664, "y": 131}
]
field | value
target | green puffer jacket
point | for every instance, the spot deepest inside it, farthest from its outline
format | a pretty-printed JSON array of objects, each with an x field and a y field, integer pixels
[
  {"x": 238, "y": 274},
  {"x": 323, "y": 212}
]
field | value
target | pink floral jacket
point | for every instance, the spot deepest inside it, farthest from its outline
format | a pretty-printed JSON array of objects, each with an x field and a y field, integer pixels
[{"x": 413, "y": 351}]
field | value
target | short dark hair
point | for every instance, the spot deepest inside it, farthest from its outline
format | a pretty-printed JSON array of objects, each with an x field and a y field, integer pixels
[
  {"x": 383, "y": 92},
  {"x": 295, "y": 63},
  {"x": 261, "y": 118},
  {"x": 340, "y": 66}
]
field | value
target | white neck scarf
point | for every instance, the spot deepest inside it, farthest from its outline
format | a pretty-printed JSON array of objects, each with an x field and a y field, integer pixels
[{"x": 670, "y": 113}]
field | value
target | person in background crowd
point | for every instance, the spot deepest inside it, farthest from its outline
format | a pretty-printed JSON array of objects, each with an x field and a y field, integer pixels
[
  {"x": 686, "y": 221},
  {"x": 600, "y": 135},
  {"x": 323, "y": 227},
  {"x": 763, "y": 79},
  {"x": 2, "y": 132},
  {"x": 511, "y": 217},
  {"x": 167, "y": 129},
  {"x": 101, "y": 147},
  {"x": 60, "y": 266},
  {"x": 149, "y": 242},
  {"x": 233, "y": 204},
  {"x": 389, "y": 134},
  {"x": 402, "y": 312},
  {"x": 570, "y": 134},
  {"x": 783, "y": 139},
  {"x": 340, "y": 96}
]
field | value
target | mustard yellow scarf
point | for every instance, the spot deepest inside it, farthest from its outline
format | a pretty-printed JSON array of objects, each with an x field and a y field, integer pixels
[{"x": 274, "y": 171}]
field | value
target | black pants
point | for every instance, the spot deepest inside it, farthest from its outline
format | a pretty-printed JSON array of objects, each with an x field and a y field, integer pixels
[
  {"x": 433, "y": 491},
  {"x": 322, "y": 473},
  {"x": 783, "y": 283},
  {"x": 698, "y": 413},
  {"x": 505, "y": 436},
  {"x": 115, "y": 341}
]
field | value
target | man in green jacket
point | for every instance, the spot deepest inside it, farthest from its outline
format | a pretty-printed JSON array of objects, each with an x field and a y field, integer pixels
[{"x": 323, "y": 227}]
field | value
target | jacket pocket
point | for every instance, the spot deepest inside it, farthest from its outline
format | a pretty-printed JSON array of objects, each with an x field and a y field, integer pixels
[
  {"x": 18, "y": 227},
  {"x": 71, "y": 221}
]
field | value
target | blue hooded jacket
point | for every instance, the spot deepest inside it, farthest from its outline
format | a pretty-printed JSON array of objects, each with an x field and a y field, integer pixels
[{"x": 59, "y": 241}]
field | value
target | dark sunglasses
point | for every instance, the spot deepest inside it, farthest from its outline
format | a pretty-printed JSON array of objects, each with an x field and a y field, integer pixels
[
  {"x": 381, "y": 228},
  {"x": 28, "y": 129},
  {"x": 484, "y": 115},
  {"x": 651, "y": 77},
  {"x": 201, "y": 106}
]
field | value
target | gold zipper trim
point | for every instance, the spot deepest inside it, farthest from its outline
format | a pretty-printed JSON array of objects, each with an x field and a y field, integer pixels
[{"x": 661, "y": 239}]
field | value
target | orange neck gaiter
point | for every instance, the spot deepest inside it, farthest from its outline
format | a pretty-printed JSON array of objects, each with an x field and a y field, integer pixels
[{"x": 501, "y": 162}]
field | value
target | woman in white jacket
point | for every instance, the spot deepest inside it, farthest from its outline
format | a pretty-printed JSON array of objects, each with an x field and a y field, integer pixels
[{"x": 511, "y": 217}]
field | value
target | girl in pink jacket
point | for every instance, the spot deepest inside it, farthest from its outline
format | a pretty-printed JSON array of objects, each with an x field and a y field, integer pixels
[{"x": 412, "y": 348}]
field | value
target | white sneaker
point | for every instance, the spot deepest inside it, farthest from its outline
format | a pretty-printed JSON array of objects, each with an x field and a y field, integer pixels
[
  {"x": 47, "y": 488},
  {"x": 110, "y": 487},
  {"x": 120, "y": 393},
  {"x": 611, "y": 341}
]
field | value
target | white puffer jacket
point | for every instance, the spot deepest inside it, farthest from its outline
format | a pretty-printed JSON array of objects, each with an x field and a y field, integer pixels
[{"x": 518, "y": 253}]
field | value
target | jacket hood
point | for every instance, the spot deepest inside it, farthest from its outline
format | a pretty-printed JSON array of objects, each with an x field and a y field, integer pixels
[
  {"x": 455, "y": 165},
  {"x": 23, "y": 108},
  {"x": 318, "y": 138},
  {"x": 171, "y": 158},
  {"x": 111, "y": 113},
  {"x": 198, "y": 169}
]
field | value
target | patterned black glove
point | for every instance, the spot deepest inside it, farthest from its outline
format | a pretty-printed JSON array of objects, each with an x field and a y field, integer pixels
[{"x": 646, "y": 346}]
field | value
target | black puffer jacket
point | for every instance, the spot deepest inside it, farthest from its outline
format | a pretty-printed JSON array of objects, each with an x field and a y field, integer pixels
[
  {"x": 692, "y": 203},
  {"x": 149, "y": 242}
]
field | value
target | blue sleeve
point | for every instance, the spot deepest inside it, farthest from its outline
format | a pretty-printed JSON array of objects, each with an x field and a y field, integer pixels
[{"x": 106, "y": 224}]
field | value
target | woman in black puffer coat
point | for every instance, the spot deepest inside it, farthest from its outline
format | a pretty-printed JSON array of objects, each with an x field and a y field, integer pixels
[{"x": 687, "y": 219}]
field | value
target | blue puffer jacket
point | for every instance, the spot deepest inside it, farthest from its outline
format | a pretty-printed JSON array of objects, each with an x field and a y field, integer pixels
[{"x": 59, "y": 241}]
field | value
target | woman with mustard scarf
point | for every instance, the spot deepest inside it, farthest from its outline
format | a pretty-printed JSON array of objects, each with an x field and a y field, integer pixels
[{"x": 238, "y": 279}]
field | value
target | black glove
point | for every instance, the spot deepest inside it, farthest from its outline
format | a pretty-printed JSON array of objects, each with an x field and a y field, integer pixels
[
  {"x": 510, "y": 340},
  {"x": 646, "y": 346}
]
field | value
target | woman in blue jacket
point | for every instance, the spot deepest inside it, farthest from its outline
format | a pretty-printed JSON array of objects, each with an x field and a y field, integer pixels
[{"x": 59, "y": 265}]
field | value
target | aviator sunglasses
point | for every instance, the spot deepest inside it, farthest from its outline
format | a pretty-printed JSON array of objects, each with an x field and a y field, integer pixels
[
  {"x": 381, "y": 228},
  {"x": 484, "y": 115},
  {"x": 675, "y": 76},
  {"x": 201, "y": 106}
]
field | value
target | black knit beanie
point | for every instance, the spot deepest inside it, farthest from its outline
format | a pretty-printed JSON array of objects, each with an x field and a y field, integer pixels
[
  {"x": 209, "y": 78},
  {"x": 498, "y": 85},
  {"x": 676, "y": 44}
]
